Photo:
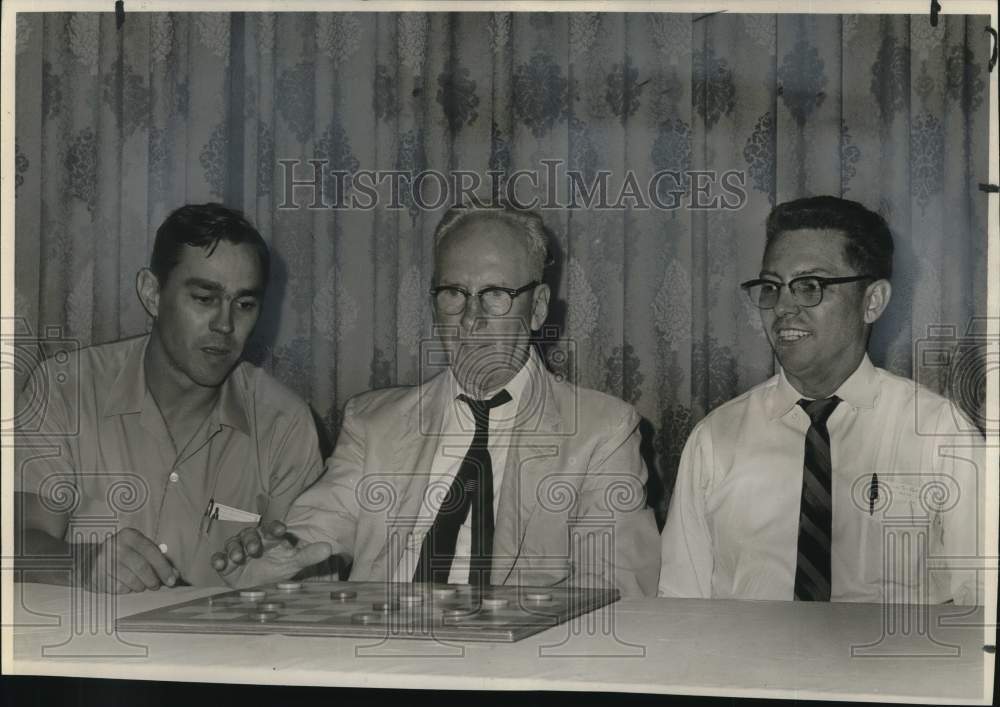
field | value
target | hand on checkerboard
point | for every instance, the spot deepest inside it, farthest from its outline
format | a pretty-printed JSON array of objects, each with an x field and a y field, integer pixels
[
  {"x": 126, "y": 562},
  {"x": 266, "y": 553}
]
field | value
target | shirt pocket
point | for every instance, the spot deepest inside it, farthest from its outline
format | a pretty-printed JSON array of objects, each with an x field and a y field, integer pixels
[
  {"x": 220, "y": 531},
  {"x": 899, "y": 543}
]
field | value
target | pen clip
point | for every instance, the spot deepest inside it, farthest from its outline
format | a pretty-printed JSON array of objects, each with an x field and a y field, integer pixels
[{"x": 211, "y": 513}]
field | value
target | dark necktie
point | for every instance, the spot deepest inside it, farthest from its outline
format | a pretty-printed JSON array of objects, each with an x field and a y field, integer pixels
[
  {"x": 472, "y": 489},
  {"x": 812, "y": 570}
]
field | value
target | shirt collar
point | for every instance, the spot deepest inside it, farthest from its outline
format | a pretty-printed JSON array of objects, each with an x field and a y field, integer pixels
[
  {"x": 860, "y": 390},
  {"x": 129, "y": 393},
  {"x": 231, "y": 409}
]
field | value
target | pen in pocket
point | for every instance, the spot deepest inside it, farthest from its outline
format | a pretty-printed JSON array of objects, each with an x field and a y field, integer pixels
[{"x": 211, "y": 513}]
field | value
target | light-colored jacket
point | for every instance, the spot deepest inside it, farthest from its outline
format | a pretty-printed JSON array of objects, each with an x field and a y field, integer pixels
[{"x": 571, "y": 506}]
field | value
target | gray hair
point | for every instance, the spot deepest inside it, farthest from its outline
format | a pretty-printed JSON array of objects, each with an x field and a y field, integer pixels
[{"x": 528, "y": 224}]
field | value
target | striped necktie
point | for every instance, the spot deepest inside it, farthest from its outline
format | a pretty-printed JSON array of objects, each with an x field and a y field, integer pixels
[
  {"x": 812, "y": 569},
  {"x": 472, "y": 489}
]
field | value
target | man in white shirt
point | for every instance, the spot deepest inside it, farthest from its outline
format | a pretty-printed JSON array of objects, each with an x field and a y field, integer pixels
[
  {"x": 495, "y": 471},
  {"x": 833, "y": 480}
]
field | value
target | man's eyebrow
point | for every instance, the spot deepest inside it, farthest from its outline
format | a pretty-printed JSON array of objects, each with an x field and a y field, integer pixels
[
  {"x": 487, "y": 286},
  {"x": 204, "y": 284},
  {"x": 214, "y": 286},
  {"x": 798, "y": 273}
]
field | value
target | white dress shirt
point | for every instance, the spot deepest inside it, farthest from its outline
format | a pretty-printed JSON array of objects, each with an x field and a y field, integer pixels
[
  {"x": 457, "y": 429},
  {"x": 732, "y": 525}
]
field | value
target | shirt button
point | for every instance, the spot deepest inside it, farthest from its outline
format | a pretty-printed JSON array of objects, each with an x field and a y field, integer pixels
[
  {"x": 174, "y": 477},
  {"x": 163, "y": 548}
]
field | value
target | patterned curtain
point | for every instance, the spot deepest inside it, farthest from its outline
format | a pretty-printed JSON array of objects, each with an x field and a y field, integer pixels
[{"x": 115, "y": 128}]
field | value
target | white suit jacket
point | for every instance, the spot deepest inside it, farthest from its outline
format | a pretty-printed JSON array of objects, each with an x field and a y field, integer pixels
[{"x": 571, "y": 506}]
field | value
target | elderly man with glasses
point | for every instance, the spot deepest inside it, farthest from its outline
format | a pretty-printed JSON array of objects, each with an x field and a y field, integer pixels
[
  {"x": 495, "y": 471},
  {"x": 833, "y": 480}
]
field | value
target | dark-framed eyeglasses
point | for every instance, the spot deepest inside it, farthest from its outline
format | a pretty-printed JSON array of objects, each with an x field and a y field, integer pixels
[
  {"x": 496, "y": 301},
  {"x": 807, "y": 291}
]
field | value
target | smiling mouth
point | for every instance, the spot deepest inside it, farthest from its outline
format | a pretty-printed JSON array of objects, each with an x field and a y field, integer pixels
[{"x": 791, "y": 336}]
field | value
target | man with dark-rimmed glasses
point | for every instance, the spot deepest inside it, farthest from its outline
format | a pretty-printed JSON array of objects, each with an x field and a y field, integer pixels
[
  {"x": 817, "y": 485},
  {"x": 495, "y": 471}
]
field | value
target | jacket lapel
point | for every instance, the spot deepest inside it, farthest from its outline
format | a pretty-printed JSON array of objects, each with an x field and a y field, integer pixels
[
  {"x": 410, "y": 465},
  {"x": 532, "y": 456}
]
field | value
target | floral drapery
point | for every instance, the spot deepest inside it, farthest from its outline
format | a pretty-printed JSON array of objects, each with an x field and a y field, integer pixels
[{"x": 115, "y": 128}]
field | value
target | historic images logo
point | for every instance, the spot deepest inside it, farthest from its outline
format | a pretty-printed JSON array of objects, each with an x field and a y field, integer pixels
[{"x": 315, "y": 186}]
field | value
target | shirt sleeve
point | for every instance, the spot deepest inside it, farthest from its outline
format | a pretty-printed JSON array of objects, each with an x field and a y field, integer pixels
[
  {"x": 294, "y": 463},
  {"x": 328, "y": 511},
  {"x": 954, "y": 496},
  {"x": 614, "y": 486},
  {"x": 45, "y": 449},
  {"x": 686, "y": 558}
]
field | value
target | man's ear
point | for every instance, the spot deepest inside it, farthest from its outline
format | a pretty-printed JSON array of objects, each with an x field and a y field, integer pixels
[
  {"x": 877, "y": 296},
  {"x": 147, "y": 286},
  {"x": 540, "y": 306}
]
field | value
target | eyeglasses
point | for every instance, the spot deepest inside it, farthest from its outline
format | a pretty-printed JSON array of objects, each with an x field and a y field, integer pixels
[
  {"x": 806, "y": 291},
  {"x": 495, "y": 301}
]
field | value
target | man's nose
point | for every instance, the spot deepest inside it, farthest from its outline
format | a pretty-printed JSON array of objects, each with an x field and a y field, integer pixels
[
  {"x": 786, "y": 303},
  {"x": 473, "y": 318},
  {"x": 222, "y": 321}
]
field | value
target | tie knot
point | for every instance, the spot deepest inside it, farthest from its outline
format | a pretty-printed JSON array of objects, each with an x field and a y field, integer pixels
[
  {"x": 481, "y": 408},
  {"x": 819, "y": 411}
]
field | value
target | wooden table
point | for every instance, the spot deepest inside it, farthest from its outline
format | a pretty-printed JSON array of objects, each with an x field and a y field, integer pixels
[{"x": 679, "y": 646}]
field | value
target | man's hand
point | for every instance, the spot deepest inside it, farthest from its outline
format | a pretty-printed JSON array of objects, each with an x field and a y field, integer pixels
[
  {"x": 127, "y": 561},
  {"x": 280, "y": 555}
]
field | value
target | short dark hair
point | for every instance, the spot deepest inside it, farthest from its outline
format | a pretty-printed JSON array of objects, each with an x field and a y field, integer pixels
[
  {"x": 869, "y": 241},
  {"x": 203, "y": 226}
]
